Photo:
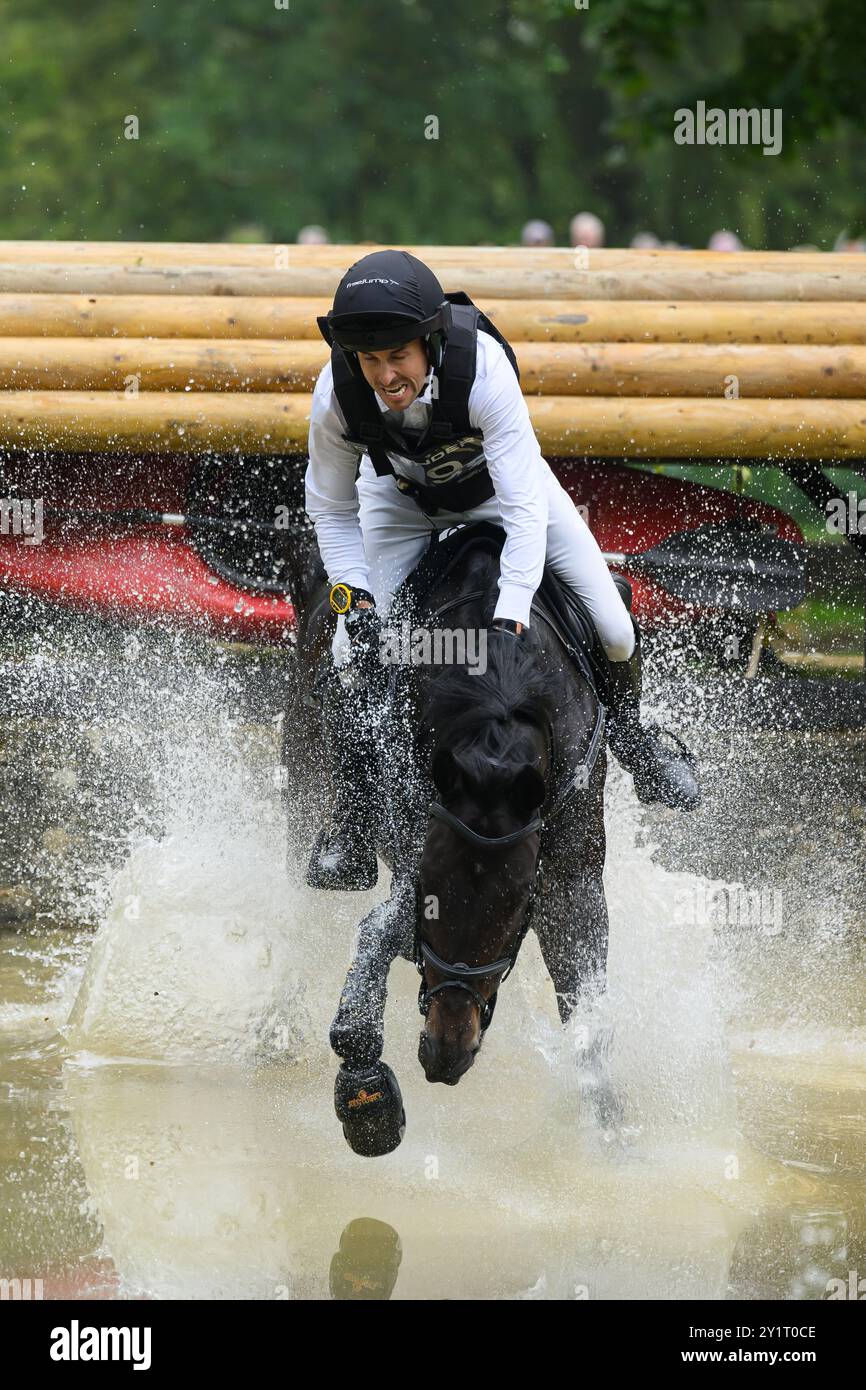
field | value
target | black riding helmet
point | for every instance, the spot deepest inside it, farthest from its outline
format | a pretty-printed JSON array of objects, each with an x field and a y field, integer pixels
[{"x": 386, "y": 299}]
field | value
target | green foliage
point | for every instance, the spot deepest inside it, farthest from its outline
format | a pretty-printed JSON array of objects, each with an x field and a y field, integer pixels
[
  {"x": 256, "y": 117},
  {"x": 806, "y": 57}
]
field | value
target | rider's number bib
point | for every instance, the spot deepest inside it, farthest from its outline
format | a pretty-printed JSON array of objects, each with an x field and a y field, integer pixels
[{"x": 458, "y": 460}]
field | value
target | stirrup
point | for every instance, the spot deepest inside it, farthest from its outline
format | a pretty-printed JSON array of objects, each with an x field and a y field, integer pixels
[{"x": 665, "y": 775}]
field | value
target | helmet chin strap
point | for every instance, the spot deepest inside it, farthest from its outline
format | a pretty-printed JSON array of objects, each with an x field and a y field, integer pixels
[{"x": 435, "y": 349}]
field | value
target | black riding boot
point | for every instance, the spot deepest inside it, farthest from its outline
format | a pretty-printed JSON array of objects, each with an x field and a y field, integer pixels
[
  {"x": 343, "y": 855},
  {"x": 661, "y": 773}
]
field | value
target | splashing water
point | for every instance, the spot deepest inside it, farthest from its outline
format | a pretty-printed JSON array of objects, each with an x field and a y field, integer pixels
[{"x": 197, "y": 1078}]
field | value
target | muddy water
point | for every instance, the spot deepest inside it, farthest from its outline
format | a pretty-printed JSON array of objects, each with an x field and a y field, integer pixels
[{"x": 166, "y": 1120}]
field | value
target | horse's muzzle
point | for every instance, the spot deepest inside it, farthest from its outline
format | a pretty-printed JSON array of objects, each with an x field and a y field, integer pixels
[{"x": 440, "y": 1063}]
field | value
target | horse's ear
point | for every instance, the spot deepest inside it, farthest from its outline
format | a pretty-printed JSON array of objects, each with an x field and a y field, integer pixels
[
  {"x": 445, "y": 771},
  {"x": 528, "y": 790}
]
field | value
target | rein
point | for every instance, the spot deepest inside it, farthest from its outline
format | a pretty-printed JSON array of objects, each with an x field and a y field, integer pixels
[{"x": 440, "y": 812}]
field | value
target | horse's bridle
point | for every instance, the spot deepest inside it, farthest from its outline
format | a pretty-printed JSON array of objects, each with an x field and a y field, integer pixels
[{"x": 458, "y": 973}]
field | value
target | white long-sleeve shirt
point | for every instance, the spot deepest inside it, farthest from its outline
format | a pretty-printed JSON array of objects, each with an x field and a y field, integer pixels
[{"x": 518, "y": 471}]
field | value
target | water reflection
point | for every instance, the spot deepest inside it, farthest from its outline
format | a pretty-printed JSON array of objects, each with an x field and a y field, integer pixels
[
  {"x": 368, "y": 1261},
  {"x": 161, "y": 1181}
]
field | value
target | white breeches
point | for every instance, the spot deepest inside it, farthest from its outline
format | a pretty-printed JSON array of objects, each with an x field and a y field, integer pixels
[{"x": 396, "y": 534}]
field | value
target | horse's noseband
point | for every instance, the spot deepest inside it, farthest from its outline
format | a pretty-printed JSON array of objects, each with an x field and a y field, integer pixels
[{"x": 458, "y": 973}]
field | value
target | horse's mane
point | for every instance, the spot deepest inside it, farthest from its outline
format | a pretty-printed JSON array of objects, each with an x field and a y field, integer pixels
[{"x": 479, "y": 715}]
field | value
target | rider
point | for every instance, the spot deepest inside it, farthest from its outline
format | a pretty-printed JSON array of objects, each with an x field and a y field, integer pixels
[{"x": 386, "y": 398}]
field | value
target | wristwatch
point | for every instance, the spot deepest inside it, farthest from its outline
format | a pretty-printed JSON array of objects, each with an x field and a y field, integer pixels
[
  {"x": 509, "y": 625},
  {"x": 344, "y": 599}
]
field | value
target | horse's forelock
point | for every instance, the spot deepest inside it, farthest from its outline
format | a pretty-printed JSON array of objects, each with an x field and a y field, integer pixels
[{"x": 478, "y": 712}]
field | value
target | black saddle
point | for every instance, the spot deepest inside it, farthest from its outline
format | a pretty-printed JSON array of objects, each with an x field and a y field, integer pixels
[{"x": 563, "y": 611}]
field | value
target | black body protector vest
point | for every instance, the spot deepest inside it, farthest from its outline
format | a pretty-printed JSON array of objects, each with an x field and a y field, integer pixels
[{"x": 449, "y": 449}]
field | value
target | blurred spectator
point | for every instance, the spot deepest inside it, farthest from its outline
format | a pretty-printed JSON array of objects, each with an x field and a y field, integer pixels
[
  {"x": 645, "y": 241},
  {"x": 846, "y": 244},
  {"x": 585, "y": 229},
  {"x": 313, "y": 235},
  {"x": 537, "y": 233},
  {"x": 250, "y": 233},
  {"x": 724, "y": 241}
]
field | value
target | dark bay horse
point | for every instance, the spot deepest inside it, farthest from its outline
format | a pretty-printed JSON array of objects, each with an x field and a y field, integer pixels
[{"x": 487, "y": 804}]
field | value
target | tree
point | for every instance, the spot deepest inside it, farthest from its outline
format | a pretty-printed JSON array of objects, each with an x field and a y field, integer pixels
[{"x": 322, "y": 113}]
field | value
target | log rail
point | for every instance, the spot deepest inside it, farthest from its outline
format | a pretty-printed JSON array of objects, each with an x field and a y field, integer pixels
[{"x": 176, "y": 347}]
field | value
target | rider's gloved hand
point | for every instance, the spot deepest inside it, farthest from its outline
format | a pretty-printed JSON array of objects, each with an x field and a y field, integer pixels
[
  {"x": 362, "y": 628},
  {"x": 509, "y": 625}
]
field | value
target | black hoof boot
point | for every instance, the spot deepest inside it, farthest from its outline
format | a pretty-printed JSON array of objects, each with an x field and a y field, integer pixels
[
  {"x": 370, "y": 1108},
  {"x": 342, "y": 861},
  {"x": 663, "y": 773}
]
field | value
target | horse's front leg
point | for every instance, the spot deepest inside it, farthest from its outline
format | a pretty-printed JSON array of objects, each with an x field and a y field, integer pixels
[
  {"x": 367, "y": 1097},
  {"x": 572, "y": 933},
  {"x": 358, "y": 1030}
]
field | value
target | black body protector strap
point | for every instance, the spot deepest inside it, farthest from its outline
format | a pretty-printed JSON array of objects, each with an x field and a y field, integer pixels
[{"x": 449, "y": 445}]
